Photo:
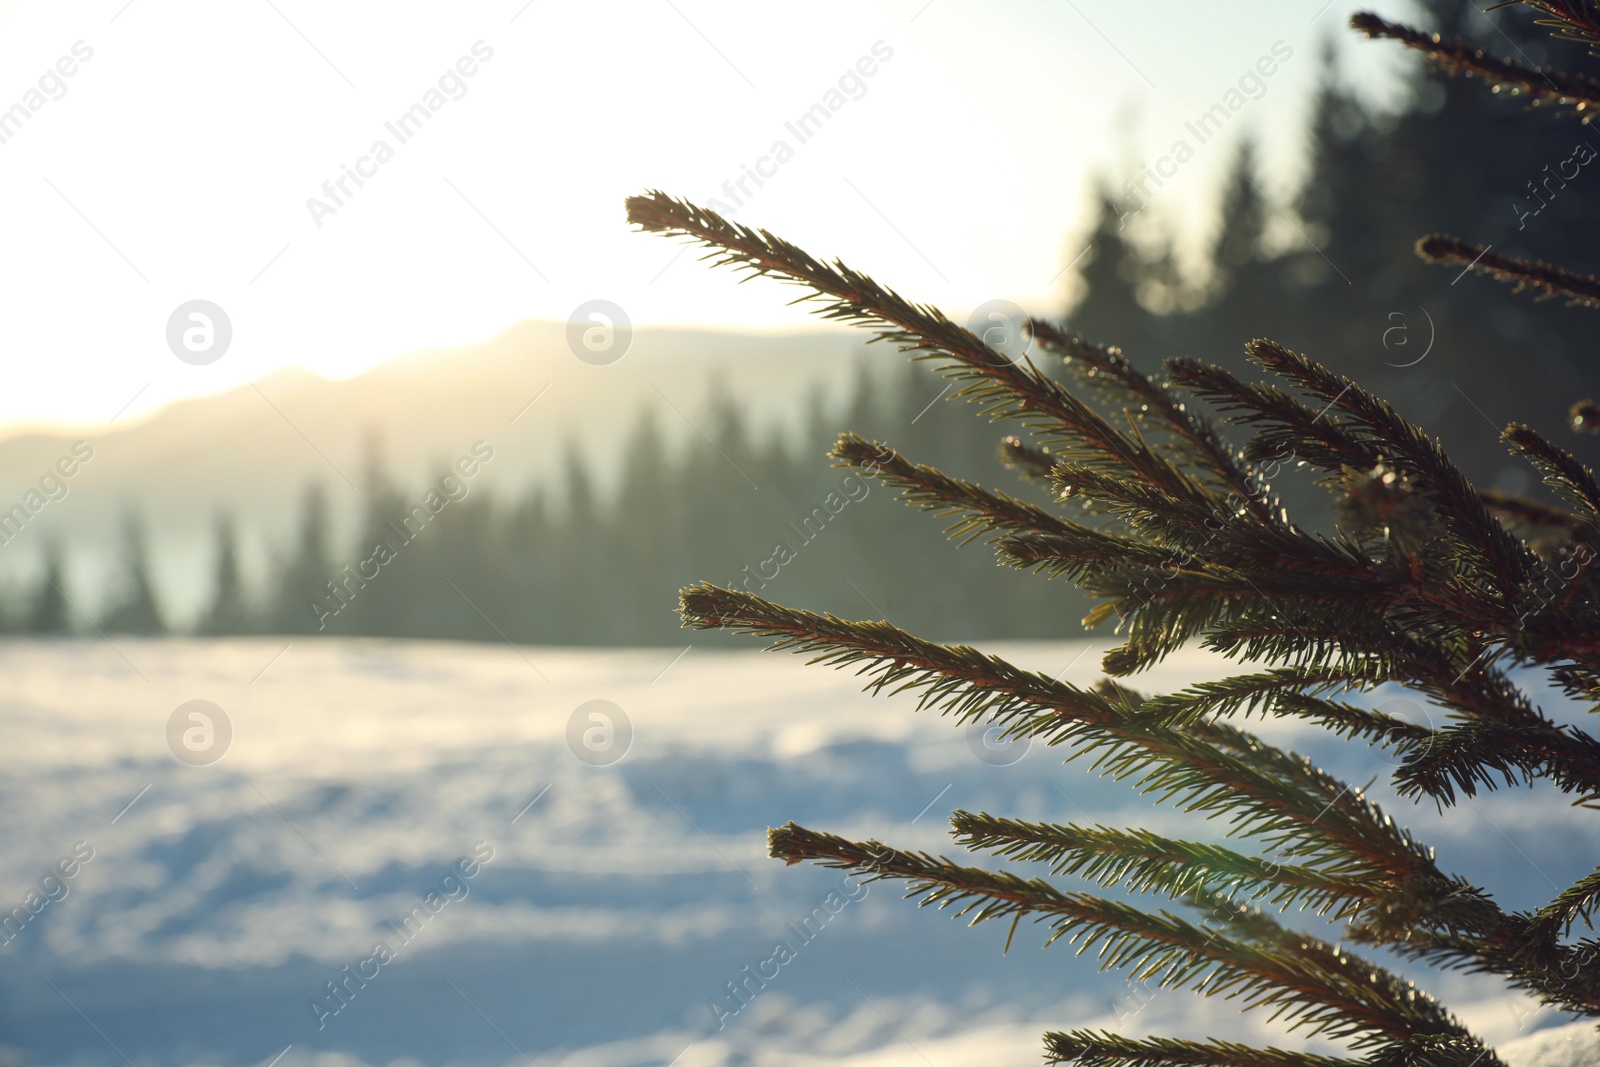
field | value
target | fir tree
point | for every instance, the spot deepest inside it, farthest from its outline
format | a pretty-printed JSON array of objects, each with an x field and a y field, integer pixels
[
  {"x": 48, "y": 611},
  {"x": 1112, "y": 270},
  {"x": 650, "y": 530},
  {"x": 582, "y": 527},
  {"x": 1242, "y": 275},
  {"x": 528, "y": 571},
  {"x": 383, "y": 606},
  {"x": 229, "y": 610},
  {"x": 1428, "y": 582},
  {"x": 456, "y": 559},
  {"x": 304, "y": 597},
  {"x": 135, "y": 610}
]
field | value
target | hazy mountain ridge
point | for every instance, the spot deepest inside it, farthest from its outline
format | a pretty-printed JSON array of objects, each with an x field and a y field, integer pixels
[{"x": 253, "y": 449}]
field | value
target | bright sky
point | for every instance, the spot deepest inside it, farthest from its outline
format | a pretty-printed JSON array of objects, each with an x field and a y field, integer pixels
[{"x": 176, "y": 161}]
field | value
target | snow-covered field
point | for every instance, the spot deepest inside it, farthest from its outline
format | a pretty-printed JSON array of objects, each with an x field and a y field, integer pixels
[{"x": 547, "y": 889}]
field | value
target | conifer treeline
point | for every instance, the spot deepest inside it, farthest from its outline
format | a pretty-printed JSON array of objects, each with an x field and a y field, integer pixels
[
  {"x": 575, "y": 566},
  {"x": 581, "y": 567},
  {"x": 1341, "y": 276}
]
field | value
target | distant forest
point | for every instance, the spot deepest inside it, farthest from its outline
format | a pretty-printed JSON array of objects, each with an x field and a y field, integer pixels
[{"x": 745, "y": 507}]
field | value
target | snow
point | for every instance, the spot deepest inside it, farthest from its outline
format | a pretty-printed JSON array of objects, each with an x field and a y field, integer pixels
[
  {"x": 610, "y": 904},
  {"x": 1573, "y": 1045}
]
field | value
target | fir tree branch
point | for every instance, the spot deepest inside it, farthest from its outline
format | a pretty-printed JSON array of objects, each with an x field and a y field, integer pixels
[
  {"x": 1285, "y": 806},
  {"x": 1577, "y": 682},
  {"x": 1404, "y": 442},
  {"x": 1562, "y": 976},
  {"x": 1424, "y": 899},
  {"x": 1284, "y": 764},
  {"x": 1292, "y": 431},
  {"x": 1310, "y": 580},
  {"x": 1522, "y": 950},
  {"x": 1550, "y": 281},
  {"x": 1571, "y": 20},
  {"x": 1140, "y": 861},
  {"x": 1458, "y": 58},
  {"x": 761, "y": 253},
  {"x": 1531, "y": 513},
  {"x": 1465, "y": 757},
  {"x": 1168, "y": 600},
  {"x": 955, "y": 678},
  {"x": 1293, "y": 978},
  {"x": 1102, "y": 1048},
  {"x": 1436, "y": 1025},
  {"x": 1435, "y": 761},
  {"x": 1576, "y": 903},
  {"x": 1427, "y": 586},
  {"x": 1003, "y": 388},
  {"x": 1032, "y": 463},
  {"x": 1348, "y": 720},
  {"x": 1108, "y": 365},
  {"x": 1084, "y": 556},
  {"x": 1292, "y": 691},
  {"x": 981, "y": 510},
  {"x": 1091, "y": 1048},
  {"x": 1505, "y": 734},
  {"x": 1143, "y": 506},
  {"x": 1248, "y": 693},
  {"x": 1560, "y": 469}
]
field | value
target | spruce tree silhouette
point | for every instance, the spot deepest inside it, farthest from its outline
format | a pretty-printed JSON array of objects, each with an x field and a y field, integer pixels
[
  {"x": 229, "y": 611},
  {"x": 49, "y": 612},
  {"x": 302, "y": 600},
  {"x": 134, "y": 610}
]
